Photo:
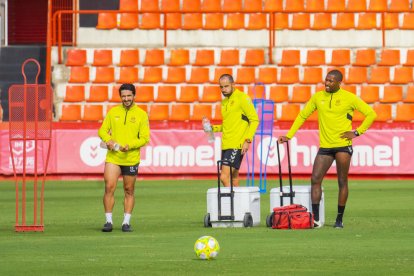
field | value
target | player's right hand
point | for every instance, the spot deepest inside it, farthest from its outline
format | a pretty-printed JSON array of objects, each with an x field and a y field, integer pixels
[{"x": 282, "y": 139}]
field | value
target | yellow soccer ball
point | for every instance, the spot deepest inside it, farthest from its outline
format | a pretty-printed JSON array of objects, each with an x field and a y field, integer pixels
[{"x": 206, "y": 248}]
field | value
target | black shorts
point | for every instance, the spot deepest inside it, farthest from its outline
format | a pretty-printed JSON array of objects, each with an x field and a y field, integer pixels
[
  {"x": 129, "y": 170},
  {"x": 232, "y": 158},
  {"x": 333, "y": 151}
]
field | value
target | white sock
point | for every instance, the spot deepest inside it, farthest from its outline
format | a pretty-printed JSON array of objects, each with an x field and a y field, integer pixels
[
  {"x": 108, "y": 217},
  {"x": 127, "y": 217}
]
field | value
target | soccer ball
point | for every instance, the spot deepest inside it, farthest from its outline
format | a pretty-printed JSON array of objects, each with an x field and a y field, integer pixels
[{"x": 206, "y": 248}]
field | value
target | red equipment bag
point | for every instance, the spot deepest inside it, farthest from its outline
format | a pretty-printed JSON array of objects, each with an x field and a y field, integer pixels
[{"x": 294, "y": 216}]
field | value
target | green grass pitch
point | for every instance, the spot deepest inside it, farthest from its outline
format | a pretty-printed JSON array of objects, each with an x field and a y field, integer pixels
[{"x": 378, "y": 238}]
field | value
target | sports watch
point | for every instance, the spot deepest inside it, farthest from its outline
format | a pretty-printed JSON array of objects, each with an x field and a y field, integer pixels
[
  {"x": 356, "y": 132},
  {"x": 248, "y": 141}
]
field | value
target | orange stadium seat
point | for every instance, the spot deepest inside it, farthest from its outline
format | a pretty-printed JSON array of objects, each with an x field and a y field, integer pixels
[
  {"x": 245, "y": 75},
  {"x": 128, "y": 5},
  {"x": 159, "y": 112},
  {"x": 315, "y": 58},
  {"x": 402, "y": 75},
  {"x": 229, "y": 57},
  {"x": 74, "y": 93},
  {"x": 344, "y": 21},
  {"x": 252, "y": 5},
  {"x": 143, "y": 107},
  {"x": 365, "y": 57},
  {"x": 152, "y": 75},
  {"x": 144, "y": 93},
  {"x": 219, "y": 71},
  {"x": 389, "y": 57},
  {"x": 211, "y": 5},
  {"x": 170, "y": 5},
  {"x": 176, "y": 75},
  {"x": 336, "y": 5},
  {"x": 211, "y": 94},
  {"x": 166, "y": 94},
  {"x": 154, "y": 57},
  {"x": 315, "y": 5},
  {"x": 70, "y": 112},
  {"x": 235, "y": 21},
  {"x": 367, "y": 21},
  {"x": 180, "y": 112},
  {"x": 214, "y": 21},
  {"x": 104, "y": 75},
  {"x": 273, "y": 5},
  {"x": 102, "y": 57},
  {"x": 191, "y": 5},
  {"x": 199, "y": 75},
  {"x": 76, "y": 57},
  {"x": 379, "y": 75},
  {"x": 279, "y": 93},
  {"x": 128, "y": 21},
  {"x": 289, "y": 112},
  {"x": 408, "y": 21},
  {"x": 267, "y": 75},
  {"x": 349, "y": 88},
  {"x": 98, "y": 93},
  {"x": 312, "y": 75},
  {"x": 173, "y": 21},
  {"x": 128, "y": 75},
  {"x": 179, "y": 57},
  {"x": 188, "y": 94},
  {"x": 79, "y": 74},
  {"x": 254, "y": 57},
  {"x": 377, "y": 5},
  {"x": 200, "y": 111},
  {"x": 129, "y": 57},
  {"x": 281, "y": 21},
  {"x": 150, "y": 21},
  {"x": 301, "y": 94},
  {"x": 405, "y": 113},
  {"x": 409, "y": 58},
  {"x": 192, "y": 21},
  {"x": 300, "y": 21},
  {"x": 357, "y": 5},
  {"x": 232, "y": 5},
  {"x": 383, "y": 112},
  {"x": 114, "y": 97},
  {"x": 340, "y": 69},
  {"x": 294, "y": 5},
  {"x": 341, "y": 57},
  {"x": 257, "y": 21},
  {"x": 391, "y": 21},
  {"x": 217, "y": 113},
  {"x": 290, "y": 58},
  {"x": 358, "y": 116},
  {"x": 204, "y": 57},
  {"x": 106, "y": 21},
  {"x": 392, "y": 94},
  {"x": 256, "y": 91},
  {"x": 149, "y": 5},
  {"x": 370, "y": 93},
  {"x": 399, "y": 5},
  {"x": 322, "y": 21},
  {"x": 289, "y": 75},
  {"x": 92, "y": 112},
  {"x": 356, "y": 75},
  {"x": 409, "y": 97}
]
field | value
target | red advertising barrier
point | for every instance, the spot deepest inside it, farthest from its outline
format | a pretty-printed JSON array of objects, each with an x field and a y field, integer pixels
[{"x": 188, "y": 152}]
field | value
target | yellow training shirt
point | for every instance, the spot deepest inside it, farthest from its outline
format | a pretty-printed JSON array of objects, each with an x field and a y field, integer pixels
[
  {"x": 335, "y": 112},
  {"x": 126, "y": 127},
  {"x": 240, "y": 120}
]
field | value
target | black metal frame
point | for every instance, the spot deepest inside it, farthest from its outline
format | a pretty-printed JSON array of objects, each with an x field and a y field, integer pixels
[
  {"x": 291, "y": 193},
  {"x": 221, "y": 195}
]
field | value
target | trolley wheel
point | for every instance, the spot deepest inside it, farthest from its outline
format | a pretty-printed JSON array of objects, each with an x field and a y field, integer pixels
[
  {"x": 207, "y": 222},
  {"x": 248, "y": 220},
  {"x": 269, "y": 219}
]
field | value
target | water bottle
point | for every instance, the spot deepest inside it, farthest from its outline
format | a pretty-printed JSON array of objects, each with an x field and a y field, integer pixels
[
  {"x": 208, "y": 129},
  {"x": 104, "y": 146}
]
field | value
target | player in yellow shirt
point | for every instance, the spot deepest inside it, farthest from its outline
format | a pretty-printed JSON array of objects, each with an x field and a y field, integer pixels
[
  {"x": 239, "y": 125},
  {"x": 335, "y": 108},
  {"x": 125, "y": 130}
]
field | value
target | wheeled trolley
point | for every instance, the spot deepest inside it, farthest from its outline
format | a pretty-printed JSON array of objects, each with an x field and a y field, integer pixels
[{"x": 232, "y": 206}]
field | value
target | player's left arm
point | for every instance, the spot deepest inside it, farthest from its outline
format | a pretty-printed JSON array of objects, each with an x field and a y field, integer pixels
[
  {"x": 370, "y": 116},
  {"x": 104, "y": 130}
]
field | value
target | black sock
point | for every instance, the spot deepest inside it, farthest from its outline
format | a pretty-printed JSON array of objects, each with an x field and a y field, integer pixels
[
  {"x": 341, "y": 210},
  {"x": 315, "y": 211}
]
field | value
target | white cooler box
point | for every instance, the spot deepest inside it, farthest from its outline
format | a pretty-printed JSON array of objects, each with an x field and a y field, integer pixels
[
  {"x": 246, "y": 207},
  {"x": 302, "y": 196}
]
